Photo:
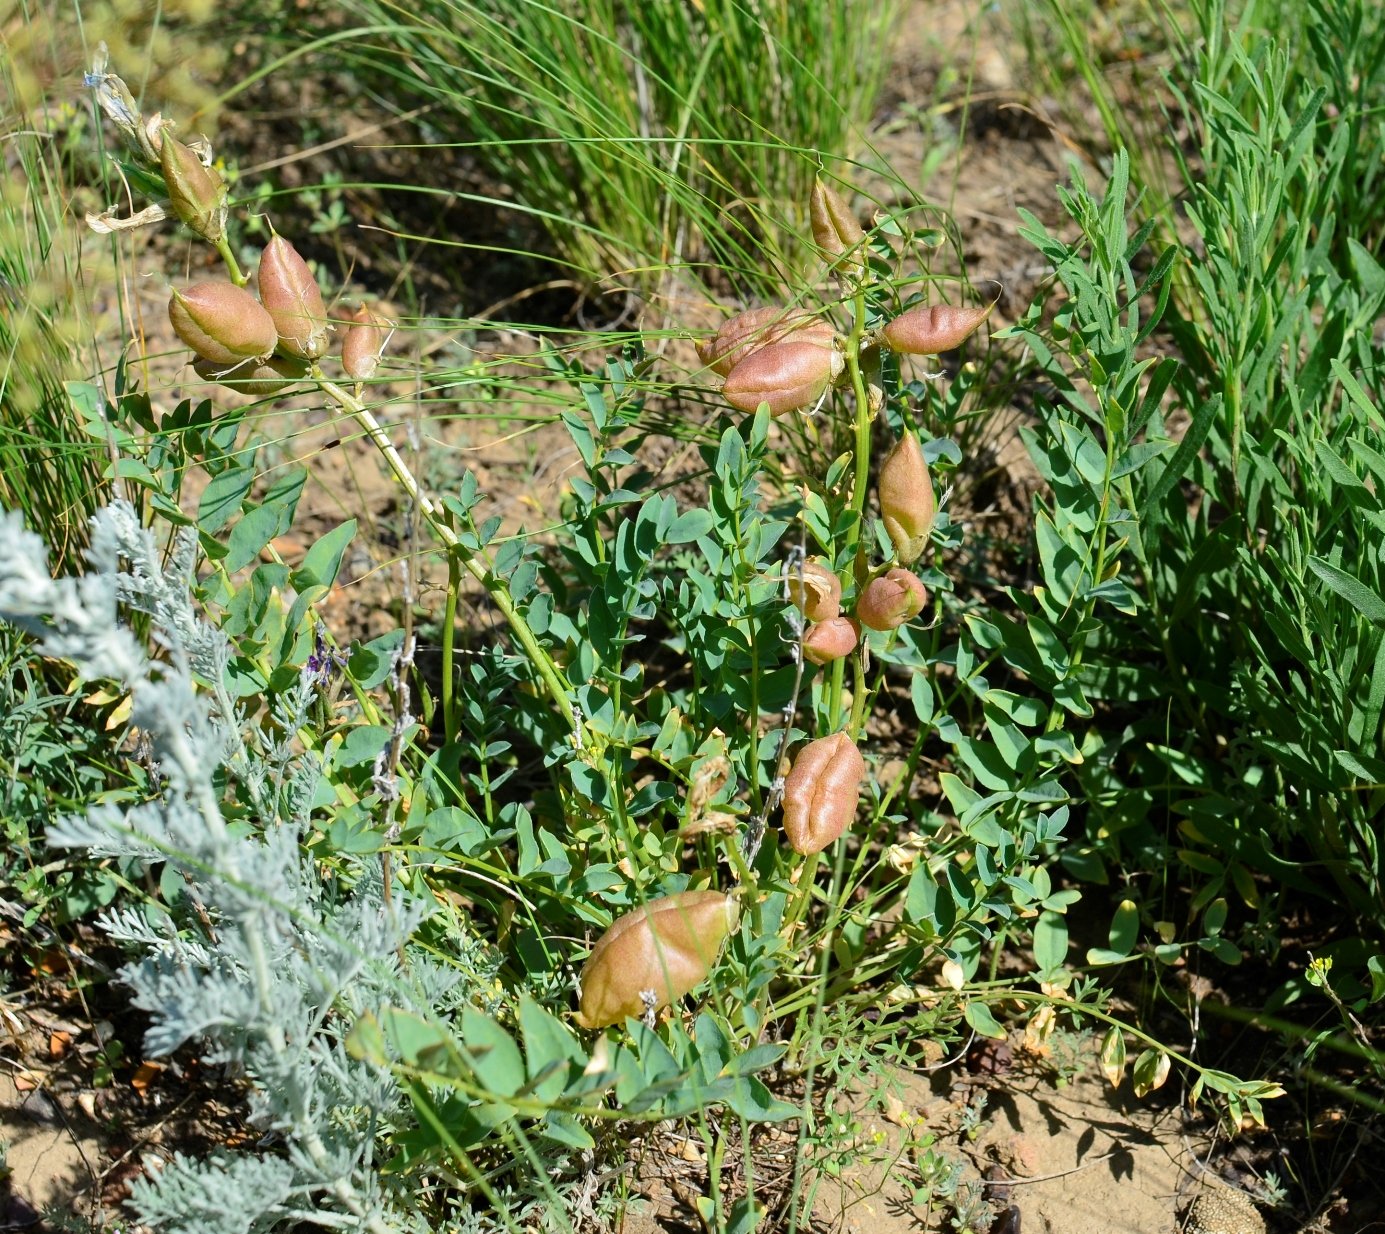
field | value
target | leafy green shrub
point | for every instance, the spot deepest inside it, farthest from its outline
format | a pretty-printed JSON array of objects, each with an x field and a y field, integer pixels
[
  {"x": 1238, "y": 743},
  {"x": 383, "y": 935}
]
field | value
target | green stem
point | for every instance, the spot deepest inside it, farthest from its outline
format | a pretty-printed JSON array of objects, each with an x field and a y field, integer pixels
[
  {"x": 450, "y": 719},
  {"x": 223, "y": 246},
  {"x": 495, "y": 588}
]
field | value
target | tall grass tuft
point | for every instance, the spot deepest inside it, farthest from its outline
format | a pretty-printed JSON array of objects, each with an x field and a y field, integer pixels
[
  {"x": 49, "y": 468},
  {"x": 642, "y": 137}
]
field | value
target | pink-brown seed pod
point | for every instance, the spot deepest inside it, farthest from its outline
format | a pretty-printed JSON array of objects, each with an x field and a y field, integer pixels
[
  {"x": 932, "y": 328},
  {"x": 815, "y": 591},
  {"x": 253, "y": 377},
  {"x": 195, "y": 191},
  {"x": 835, "y": 227},
  {"x": 908, "y": 506},
  {"x": 756, "y": 328},
  {"x": 788, "y": 376},
  {"x": 363, "y": 343},
  {"x": 833, "y": 639},
  {"x": 222, "y": 323},
  {"x": 892, "y": 599},
  {"x": 821, "y": 792},
  {"x": 667, "y": 946},
  {"x": 292, "y": 297}
]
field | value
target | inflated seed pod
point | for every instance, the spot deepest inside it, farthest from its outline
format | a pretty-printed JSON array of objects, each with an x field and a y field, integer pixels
[
  {"x": 892, "y": 599},
  {"x": 253, "y": 377},
  {"x": 789, "y": 376},
  {"x": 908, "y": 507},
  {"x": 815, "y": 591},
  {"x": 821, "y": 792},
  {"x": 195, "y": 191},
  {"x": 756, "y": 328},
  {"x": 835, "y": 228},
  {"x": 830, "y": 640},
  {"x": 665, "y": 947},
  {"x": 363, "y": 342},
  {"x": 222, "y": 323},
  {"x": 292, "y": 297},
  {"x": 932, "y": 328}
]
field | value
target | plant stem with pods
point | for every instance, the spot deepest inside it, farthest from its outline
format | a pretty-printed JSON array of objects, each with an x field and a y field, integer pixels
[{"x": 470, "y": 561}]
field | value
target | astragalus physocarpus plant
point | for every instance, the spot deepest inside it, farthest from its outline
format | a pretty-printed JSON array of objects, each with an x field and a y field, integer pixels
[{"x": 676, "y": 855}]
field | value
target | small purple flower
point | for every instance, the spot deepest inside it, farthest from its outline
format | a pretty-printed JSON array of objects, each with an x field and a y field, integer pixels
[{"x": 324, "y": 661}]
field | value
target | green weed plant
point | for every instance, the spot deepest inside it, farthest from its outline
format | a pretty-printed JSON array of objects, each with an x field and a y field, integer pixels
[
  {"x": 1236, "y": 746},
  {"x": 385, "y": 932}
]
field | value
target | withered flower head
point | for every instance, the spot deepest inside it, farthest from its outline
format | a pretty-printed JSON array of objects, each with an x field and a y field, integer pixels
[{"x": 815, "y": 590}]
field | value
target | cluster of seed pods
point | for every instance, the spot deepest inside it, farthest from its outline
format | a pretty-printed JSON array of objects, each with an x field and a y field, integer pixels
[
  {"x": 256, "y": 345},
  {"x": 789, "y": 359}
]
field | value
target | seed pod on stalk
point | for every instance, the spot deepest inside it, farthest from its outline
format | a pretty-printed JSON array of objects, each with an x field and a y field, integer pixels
[
  {"x": 835, "y": 228},
  {"x": 195, "y": 191},
  {"x": 907, "y": 504},
  {"x": 815, "y": 591},
  {"x": 788, "y": 376},
  {"x": 755, "y": 328},
  {"x": 291, "y": 295},
  {"x": 222, "y": 323},
  {"x": 892, "y": 599},
  {"x": 821, "y": 792},
  {"x": 363, "y": 343},
  {"x": 252, "y": 377},
  {"x": 830, "y": 640},
  {"x": 932, "y": 328},
  {"x": 665, "y": 947}
]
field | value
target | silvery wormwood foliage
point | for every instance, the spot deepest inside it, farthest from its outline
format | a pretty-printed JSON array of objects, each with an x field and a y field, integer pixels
[{"x": 266, "y": 963}]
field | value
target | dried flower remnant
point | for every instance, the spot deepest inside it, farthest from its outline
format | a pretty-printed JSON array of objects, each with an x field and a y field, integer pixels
[
  {"x": 114, "y": 98},
  {"x": 892, "y": 599},
  {"x": 932, "y": 328},
  {"x": 756, "y": 328},
  {"x": 815, "y": 591},
  {"x": 292, "y": 297},
  {"x": 821, "y": 792},
  {"x": 364, "y": 342},
  {"x": 665, "y": 947},
  {"x": 835, "y": 227},
  {"x": 222, "y": 323},
  {"x": 830, "y": 640},
  {"x": 789, "y": 376},
  {"x": 254, "y": 377},
  {"x": 195, "y": 191},
  {"x": 908, "y": 506}
]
